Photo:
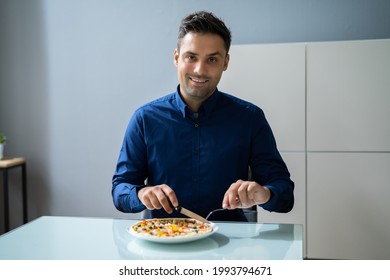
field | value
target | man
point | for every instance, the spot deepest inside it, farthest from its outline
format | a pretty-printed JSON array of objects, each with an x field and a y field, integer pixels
[{"x": 194, "y": 147}]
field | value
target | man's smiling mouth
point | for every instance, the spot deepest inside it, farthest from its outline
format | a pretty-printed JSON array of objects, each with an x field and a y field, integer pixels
[{"x": 198, "y": 80}]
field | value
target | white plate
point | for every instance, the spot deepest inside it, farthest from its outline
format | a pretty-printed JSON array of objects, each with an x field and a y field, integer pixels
[{"x": 176, "y": 239}]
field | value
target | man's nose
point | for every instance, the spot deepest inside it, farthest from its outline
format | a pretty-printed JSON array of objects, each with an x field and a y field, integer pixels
[{"x": 200, "y": 68}]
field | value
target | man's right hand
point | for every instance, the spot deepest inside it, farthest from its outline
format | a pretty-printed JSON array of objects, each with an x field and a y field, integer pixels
[{"x": 157, "y": 197}]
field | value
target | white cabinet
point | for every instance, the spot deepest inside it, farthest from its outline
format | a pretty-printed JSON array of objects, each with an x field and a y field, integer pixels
[
  {"x": 348, "y": 209},
  {"x": 273, "y": 78},
  {"x": 348, "y": 150},
  {"x": 328, "y": 104}
]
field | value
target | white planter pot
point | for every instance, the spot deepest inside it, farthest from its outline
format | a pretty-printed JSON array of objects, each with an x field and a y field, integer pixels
[{"x": 1, "y": 150}]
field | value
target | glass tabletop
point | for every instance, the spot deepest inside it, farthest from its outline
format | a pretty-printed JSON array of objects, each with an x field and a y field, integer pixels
[{"x": 75, "y": 238}]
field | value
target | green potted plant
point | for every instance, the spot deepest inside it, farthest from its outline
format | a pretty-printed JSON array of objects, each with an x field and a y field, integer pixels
[{"x": 3, "y": 139}]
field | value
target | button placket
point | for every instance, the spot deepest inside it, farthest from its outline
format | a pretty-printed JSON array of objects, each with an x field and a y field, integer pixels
[{"x": 195, "y": 153}]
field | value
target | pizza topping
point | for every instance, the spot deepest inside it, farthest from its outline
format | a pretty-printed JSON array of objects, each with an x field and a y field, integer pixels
[{"x": 171, "y": 227}]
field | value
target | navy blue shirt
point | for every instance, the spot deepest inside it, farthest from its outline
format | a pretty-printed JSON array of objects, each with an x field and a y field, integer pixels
[{"x": 200, "y": 155}]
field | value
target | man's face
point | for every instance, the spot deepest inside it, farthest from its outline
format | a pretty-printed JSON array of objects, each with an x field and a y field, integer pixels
[{"x": 200, "y": 62}]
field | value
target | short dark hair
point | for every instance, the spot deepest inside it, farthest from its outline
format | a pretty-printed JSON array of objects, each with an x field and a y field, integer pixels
[{"x": 204, "y": 22}]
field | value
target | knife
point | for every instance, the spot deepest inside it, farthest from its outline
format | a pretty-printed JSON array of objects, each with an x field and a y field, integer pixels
[{"x": 190, "y": 214}]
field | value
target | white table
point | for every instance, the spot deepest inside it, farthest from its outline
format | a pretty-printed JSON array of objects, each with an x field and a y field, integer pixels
[{"x": 76, "y": 238}]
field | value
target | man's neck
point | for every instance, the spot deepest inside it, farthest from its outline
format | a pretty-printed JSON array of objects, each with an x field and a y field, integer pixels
[{"x": 192, "y": 103}]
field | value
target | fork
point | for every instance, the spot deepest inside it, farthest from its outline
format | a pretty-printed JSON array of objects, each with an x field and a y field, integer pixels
[
  {"x": 216, "y": 210},
  {"x": 220, "y": 209}
]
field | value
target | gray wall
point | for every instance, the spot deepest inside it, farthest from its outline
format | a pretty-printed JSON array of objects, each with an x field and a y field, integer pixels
[{"x": 72, "y": 73}]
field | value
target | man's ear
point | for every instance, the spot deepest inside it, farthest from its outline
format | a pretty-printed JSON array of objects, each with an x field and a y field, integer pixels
[
  {"x": 226, "y": 62},
  {"x": 176, "y": 56}
]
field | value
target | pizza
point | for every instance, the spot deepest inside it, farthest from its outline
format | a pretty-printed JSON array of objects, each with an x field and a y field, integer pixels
[{"x": 171, "y": 228}]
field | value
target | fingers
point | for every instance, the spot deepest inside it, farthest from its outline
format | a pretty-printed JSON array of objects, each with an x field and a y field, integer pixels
[
  {"x": 231, "y": 199},
  {"x": 236, "y": 196},
  {"x": 244, "y": 194},
  {"x": 157, "y": 197}
]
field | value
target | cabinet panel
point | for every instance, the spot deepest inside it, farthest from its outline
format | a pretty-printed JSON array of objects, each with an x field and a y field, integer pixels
[
  {"x": 348, "y": 205},
  {"x": 273, "y": 78},
  {"x": 348, "y": 96}
]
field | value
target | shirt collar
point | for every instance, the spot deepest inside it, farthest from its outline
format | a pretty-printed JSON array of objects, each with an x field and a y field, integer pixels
[{"x": 207, "y": 107}]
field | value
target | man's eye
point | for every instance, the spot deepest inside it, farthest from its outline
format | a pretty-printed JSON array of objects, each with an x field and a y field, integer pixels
[
  {"x": 212, "y": 59},
  {"x": 190, "y": 57}
]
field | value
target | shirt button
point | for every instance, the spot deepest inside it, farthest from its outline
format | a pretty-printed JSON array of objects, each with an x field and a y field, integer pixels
[{"x": 196, "y": 125}]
